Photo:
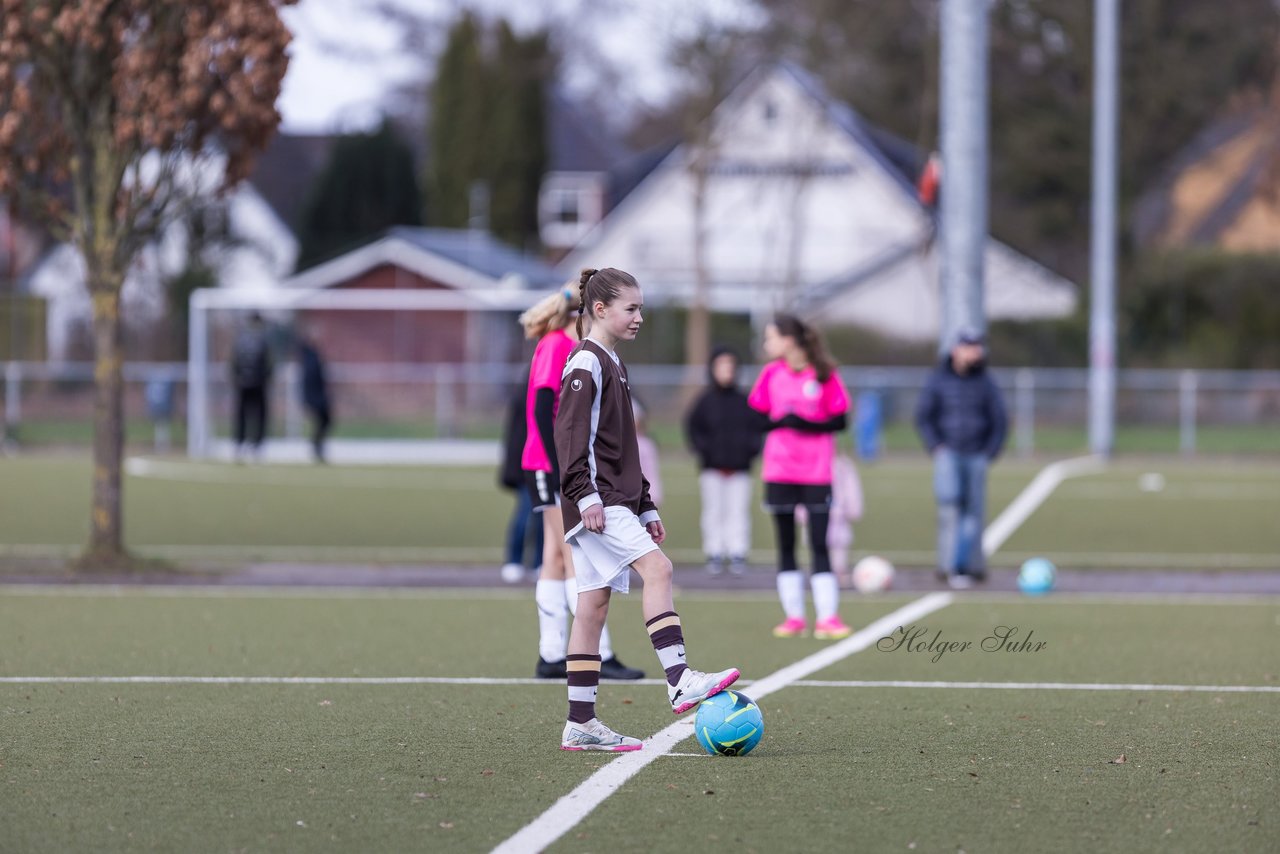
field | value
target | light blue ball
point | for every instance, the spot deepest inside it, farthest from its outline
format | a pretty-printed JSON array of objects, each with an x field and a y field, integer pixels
[
  {"x": 1036, "y": 576},
  {"x": 729, "y": 724}
]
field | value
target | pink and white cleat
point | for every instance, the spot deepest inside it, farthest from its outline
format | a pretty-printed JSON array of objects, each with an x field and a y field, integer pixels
[
  {"x": 832, "y": 628},
  {"x": 791, "y": 627},
  {"x": 695, "y": 686}
]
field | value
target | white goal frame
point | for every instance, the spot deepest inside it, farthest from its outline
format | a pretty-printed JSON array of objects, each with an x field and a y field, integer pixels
[{"x": 205, "y": 300}]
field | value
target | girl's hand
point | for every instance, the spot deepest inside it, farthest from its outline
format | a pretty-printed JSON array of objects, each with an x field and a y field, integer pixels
[
  {"x": 657, "y": 532},
  {"x": 593, "y": 518}
]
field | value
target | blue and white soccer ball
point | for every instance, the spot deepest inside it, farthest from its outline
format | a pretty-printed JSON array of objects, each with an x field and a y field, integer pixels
[
  {"x": 1037, "y": 576},
  {"x": 729, "y": 724}
]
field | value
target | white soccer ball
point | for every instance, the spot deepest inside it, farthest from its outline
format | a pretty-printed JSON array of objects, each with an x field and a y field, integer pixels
[
  {"x": 872, "y": 574},
  {"x": 513, "y": 573}
]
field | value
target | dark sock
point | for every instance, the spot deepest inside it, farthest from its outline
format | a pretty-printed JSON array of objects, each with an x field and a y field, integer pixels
[
  {"x": 668, "y": 641},
  {"x": 584, "y": 680}
]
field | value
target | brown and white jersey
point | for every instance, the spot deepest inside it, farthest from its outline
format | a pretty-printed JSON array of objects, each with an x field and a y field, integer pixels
[{"x": 596, "y": 438}]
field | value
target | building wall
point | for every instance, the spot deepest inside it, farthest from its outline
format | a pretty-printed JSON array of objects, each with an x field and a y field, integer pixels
[{"x": 390, "y": 336}]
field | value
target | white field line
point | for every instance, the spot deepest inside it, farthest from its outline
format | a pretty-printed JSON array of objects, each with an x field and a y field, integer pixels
[
  {"x": 1047, "y": 686},
  {"x": 575, "y": 806},
  {"x": 1040, "y": 488},
  {"x": 283, "y": 475},
  {"x": 520, "y": 594},
  {"x": 557, "y": 684},
  {"x": 487, "y": 557}
]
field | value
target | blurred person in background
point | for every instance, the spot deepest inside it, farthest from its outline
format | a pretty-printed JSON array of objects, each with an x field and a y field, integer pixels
[
  {"x": 725, "y": 436},
  {"x": 650, "y": 466},
  {"x": 962, "y": 422},
  {"x": 251, "y": 368},
  {"x": 524, "y": 529},
  {"x": 315, "y": 393},
  {"x": 800, "y": 393}
]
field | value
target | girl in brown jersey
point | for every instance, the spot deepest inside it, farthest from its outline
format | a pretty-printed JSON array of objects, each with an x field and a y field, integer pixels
[{"x": 611, "y": 523}]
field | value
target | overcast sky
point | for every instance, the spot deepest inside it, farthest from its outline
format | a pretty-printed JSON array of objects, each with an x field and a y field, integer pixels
[{"x": 345, "y": 57}]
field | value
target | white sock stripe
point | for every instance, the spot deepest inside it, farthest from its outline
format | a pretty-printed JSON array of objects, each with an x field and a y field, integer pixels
[
  {"x": 791, "y": 593},
  {"x": 582, "y": 694},
  {"x": 826, "y": 594}
]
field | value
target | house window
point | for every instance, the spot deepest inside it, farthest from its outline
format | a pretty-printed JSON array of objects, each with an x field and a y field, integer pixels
[
  {"x": 770, "y": 112},
  {"x": 566, "y": 207}
]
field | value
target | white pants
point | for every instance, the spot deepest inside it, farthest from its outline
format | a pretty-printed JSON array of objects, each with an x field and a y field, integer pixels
[{"x": 726, "y": 513}]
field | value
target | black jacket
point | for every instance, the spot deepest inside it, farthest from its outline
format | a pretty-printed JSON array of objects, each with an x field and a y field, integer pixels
[
  {"x": 315, "y": 382},
  {"x": 722, "y": 430},
  {"x": 514, "y": 434},
  {"x": 964, "y": 412},
  {"x": 251, "y": 359}
]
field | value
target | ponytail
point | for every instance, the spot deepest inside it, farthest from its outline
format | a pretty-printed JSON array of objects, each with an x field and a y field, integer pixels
[
  {"x": 587, "y": 273},
  {"x": 550, "y": 313}
]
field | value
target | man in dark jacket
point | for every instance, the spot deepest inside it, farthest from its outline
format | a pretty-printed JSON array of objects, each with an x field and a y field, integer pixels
[
  {"x": 251, "y": 376},
  {"x": 725, "y": 435},
  {"x": 961, "y": 420},
  {"x": 315, "y": 393}
]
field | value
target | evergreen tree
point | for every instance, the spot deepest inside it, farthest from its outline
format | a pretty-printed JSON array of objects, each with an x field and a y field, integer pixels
[
  {"x": 488, "y": 125},
  {"x": 522, "y": 69},
  {"x": 367, "y": 186},
  {"x": 458, "y": 134}
]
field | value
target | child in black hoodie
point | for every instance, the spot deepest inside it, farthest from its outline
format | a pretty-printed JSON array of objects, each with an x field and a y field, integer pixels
[{"x": 724, "y": 433}]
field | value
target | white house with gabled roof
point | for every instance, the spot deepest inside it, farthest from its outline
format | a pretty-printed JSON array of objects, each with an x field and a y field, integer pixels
[{"x": 804, "y": 206}]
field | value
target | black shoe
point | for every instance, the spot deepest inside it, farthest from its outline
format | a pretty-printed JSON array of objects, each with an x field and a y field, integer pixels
[
  {"x": 614, "y": 669},
  {"x": 550, "y": 669}
]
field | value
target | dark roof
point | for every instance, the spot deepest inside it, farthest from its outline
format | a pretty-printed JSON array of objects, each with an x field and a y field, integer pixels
[
  {"x": 576, "y": 142},
  {"x": 629, "y": 173},
  {"x": 900, "y": 159},
  {"x": 286, "y": 171},
  {"x": 479, "y": 251}
]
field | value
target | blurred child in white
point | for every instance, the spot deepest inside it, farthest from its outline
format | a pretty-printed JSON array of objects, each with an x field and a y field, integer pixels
[
  {"x": 846, "y": 508},
  {"x": 649, "y": 465}
]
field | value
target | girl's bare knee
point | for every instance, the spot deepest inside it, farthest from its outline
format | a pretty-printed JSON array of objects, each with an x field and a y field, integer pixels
[{"x": 655, "y": 566}]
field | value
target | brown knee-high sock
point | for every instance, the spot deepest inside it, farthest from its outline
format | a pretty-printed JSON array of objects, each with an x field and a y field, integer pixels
[
  {"x": 584, "y": 679},
  {"x": 668, "y": 640}
]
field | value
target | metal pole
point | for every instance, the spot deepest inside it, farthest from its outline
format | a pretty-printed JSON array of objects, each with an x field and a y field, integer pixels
[
  {"x": 1187, "y": 384},
  {"x": 12, "y": 394},
  {"x": 197, "y": 378},
  {"x": 1024, "y": 386},
  {"x": 1102, "y": 239},
  {"x": 963, "y": 120}
]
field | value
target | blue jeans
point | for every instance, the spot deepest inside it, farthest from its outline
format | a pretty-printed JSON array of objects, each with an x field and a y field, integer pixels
[
  {"x": 522, "y": 518},
  {"x": 960, "y": 487}
]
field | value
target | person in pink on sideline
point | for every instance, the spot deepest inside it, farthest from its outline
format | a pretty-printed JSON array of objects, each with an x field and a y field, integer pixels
[
  {"x": 556, "y": 592},
  {"x": 806, "y": 405}
]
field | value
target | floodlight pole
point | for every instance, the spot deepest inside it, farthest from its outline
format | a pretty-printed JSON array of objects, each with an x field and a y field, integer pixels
[
  {"x": 963, "y": 121},
  {"x": 1102, "y": 237},
  {"x": 197, "y": 377}
]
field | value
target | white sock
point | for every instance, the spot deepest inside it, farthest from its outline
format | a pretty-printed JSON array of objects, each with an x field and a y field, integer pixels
[
  {"x": 553, "y": 637},
  {"x": 791, "y": 593},
  {"x": 826, "y": 594},
  {"x": 571, "y": 594}
]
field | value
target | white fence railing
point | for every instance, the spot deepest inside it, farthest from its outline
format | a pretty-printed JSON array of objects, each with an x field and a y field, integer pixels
[{"x": 48, "y": 403}]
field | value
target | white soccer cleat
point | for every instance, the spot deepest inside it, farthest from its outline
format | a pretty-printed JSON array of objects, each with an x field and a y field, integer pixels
[
  {"x": 696, "y": 686},
  {"x": 594, "y": 735}
]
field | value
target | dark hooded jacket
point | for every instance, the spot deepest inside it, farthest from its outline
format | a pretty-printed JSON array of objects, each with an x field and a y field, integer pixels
[
  {"x": 965, "y": 412},
  {"x": 722, "y": 430}
]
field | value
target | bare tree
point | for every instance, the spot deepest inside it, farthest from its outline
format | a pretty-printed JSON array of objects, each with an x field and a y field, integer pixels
[{"x": 104, "y": 107}]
